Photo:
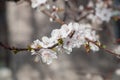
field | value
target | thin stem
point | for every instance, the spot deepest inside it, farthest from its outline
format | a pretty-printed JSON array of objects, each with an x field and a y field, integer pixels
[
  {"x": 82, "y": 17},
  {"x": 107, "y": 50},
  {"x": 12, "y": 48},
  {"x": 48, "y": 14},
  {"x": 24, "y": 49}
]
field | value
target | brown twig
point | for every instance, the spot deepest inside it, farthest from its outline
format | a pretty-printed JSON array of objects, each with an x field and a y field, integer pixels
[
  {"x": 23, "y": 49},
  {"x": 12, "y": 48},
  {"x": 107, "y": 50},
  {"x": 82, "y": 17}
]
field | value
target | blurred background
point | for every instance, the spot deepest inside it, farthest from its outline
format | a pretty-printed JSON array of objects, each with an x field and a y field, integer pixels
[{"x": 20, "y": 25}]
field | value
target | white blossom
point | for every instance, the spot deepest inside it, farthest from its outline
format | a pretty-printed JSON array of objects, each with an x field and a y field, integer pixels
[
  {"x": 63, "y": 32},
  {"x": 117, "y": 72},
  {"x": 104, "y": 14},
  {"x": 82, "y": 31},
  {"x": 117, "y": 50},
  {"x": 81, "y": 8},
  {"x": 72, "y": 42},
  {"x": 48, "y": 55},
  {"x": 62, "y": 50},
  {"x": 100, "y": 4},
  {"x": 94, "y": 19},
  {"x": 47, "y": 42},
  {"x": 68, "y": 44},
  {"x": 90, "y": 4},
  {"x": 36, "y": 3},
  {"x": 35, "y": 45},
  {"x": 93, "y": 47}
]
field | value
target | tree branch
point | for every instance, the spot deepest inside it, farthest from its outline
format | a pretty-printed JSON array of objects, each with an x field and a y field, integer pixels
[
  {"x": 107, "y": 50},
  {"x": 12, "y": 48}
]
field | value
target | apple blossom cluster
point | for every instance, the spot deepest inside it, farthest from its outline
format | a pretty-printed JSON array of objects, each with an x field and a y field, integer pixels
[
  {"x": 63, "y": 40},
  {"x": 72, "y": 35}
]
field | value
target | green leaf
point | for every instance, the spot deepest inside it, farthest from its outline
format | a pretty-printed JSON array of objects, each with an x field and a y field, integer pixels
[{"x": 104, "y": 46}]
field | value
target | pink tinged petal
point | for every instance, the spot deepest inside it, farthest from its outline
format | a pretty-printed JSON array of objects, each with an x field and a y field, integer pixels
[{"x": 48, "y": 55}]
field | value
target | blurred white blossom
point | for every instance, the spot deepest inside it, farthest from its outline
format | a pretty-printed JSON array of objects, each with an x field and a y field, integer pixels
[
  {"x": 81, "y": 8},
  {"x": 90, "y": 4},
  {"x": 117, "y": 50},
  {"x": 117, "y": 72},
  {"x": 104, "y": 14},
  {"x": 36, "y": 3}
]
